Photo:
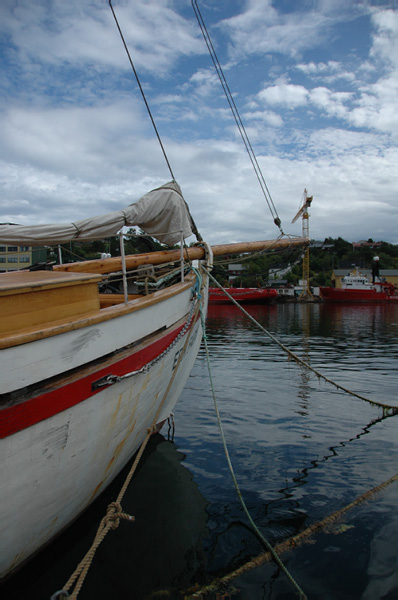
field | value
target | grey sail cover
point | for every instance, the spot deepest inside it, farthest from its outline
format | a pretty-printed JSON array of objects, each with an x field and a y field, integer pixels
[{"x": 162, "y": 213}]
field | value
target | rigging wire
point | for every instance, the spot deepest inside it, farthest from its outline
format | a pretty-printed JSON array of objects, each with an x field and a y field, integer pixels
[
  {"x": 142, "y": 91},
  {"x": 236, "y": 115},
  {"x": 193, "y": 224}
]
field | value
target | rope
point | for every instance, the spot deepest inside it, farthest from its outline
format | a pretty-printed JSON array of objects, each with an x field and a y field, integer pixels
[
  {"x": 114, "y": 511},
  {"x": 236, "y": 115},
  {"x": 263, "y": 540},
  {"x": 299, "y": 360},
  {"x": 193, "y": 224},
  {"x": 110, "y": 521},
  {"x": 290, "y": 543},
  {"x": 271, "y": 553},
  {"x": 269, "y": 250},
  {"x": 142, "y": 91},
  {"x": 242, "y": 258}
]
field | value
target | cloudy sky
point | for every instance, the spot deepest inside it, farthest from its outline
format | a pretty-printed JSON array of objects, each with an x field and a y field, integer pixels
[{"x": 315, "y": 83}]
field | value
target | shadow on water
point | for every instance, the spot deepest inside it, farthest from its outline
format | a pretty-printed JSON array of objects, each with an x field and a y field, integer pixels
[
  {"x": 301, "y": 479},
  {"x": 161, "y": 550}
]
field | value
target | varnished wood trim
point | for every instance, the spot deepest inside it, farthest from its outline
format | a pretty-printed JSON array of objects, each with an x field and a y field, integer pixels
[
  {"x": 133, "y": 261},
  {"x": 21, "y": 282},
  {"x": 92, "y": 318}
]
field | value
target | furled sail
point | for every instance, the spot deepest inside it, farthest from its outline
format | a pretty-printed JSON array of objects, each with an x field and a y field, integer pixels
[{"x": 162, "y": 213}]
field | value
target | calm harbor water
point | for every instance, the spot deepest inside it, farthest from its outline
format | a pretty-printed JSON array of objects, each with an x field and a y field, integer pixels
[{"x": 301, "y": 449}]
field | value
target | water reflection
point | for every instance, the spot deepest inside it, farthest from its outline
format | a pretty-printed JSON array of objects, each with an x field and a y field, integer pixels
[
  {"x": 363, "y": 321},
  {"x": 300, "y": 450},
  {"x": 346, "y": 343}
]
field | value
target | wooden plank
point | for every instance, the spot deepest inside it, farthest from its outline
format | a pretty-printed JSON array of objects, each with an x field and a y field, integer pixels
[
  {"x": 112, "y": 299},
  {"x": 41, "y": 306},
  {"x": 20, "y": 282},
  {"x": 59, "y": 326}
]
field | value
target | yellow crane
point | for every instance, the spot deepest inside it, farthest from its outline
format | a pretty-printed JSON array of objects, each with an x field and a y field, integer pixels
[{"x": 303, "y": 212}]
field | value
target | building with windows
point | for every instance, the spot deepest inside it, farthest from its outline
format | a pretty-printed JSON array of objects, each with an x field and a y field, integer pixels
[
  {"x": 235, "y": 271},
  {"x": 15, "y": 258}
]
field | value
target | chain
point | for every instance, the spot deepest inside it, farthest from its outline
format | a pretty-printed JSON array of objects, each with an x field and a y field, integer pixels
[{"x": 111, "y": 379}]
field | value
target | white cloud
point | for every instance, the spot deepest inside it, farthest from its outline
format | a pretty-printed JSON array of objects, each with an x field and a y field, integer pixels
[
  {"x": 262, "y": 28},
  {"x": 333, "y": 103},
  {"x": 370, "y": 105},
  {"x": 319, "y": 68},
  {"x": 205, "y": 82},
  {"x": 76, "y": 146},
  {"x": 269, "y": 117},
  {"x": 376, "y": 106},
  {"x": 84, "y": 33},
  {"x": 285, "y": 33},
  {"x": 385, "y": 39},
  {"x": 330, "y": 72},
  {"x": 71, "y": 139},
  {"x": 285, "y": 94}
]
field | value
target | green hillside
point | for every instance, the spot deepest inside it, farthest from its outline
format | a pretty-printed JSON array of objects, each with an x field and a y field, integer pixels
[{"x": 324, "y": 258}]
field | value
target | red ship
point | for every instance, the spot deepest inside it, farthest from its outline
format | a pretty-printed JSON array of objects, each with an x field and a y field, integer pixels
[
  {"x": 357, "y": 288},
  {"x": 242, "y": 295}
]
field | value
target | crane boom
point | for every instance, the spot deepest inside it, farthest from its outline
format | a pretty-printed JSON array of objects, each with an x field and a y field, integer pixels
[
  {"x": 303, "y": 212},
  {"x": 304, "y": 207}
]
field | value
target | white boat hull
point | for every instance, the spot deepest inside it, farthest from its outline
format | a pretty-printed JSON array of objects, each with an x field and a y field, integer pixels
[
  {"x": 27, "y": 364},
  {"x": 76, "y": 436}
]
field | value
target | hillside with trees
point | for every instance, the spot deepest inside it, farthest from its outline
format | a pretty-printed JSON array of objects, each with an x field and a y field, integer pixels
[{"x": 324, "y": 258}]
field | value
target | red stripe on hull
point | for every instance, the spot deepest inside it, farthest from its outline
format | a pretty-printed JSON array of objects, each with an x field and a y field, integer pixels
[{"x": 41, "y": 407}]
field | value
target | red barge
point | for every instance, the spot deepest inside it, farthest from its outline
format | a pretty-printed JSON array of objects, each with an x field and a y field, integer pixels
[{"x": 242, "y": 295}]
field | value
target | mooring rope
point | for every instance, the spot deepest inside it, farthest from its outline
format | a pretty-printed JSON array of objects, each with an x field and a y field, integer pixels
[
  {"x": 289, "y": 544},
  {"x": 114, "y": 511},
  {"x": 263, "y": 540},
  {"x": 271, "y": 553},
  {"x": 299, "y": 360}
]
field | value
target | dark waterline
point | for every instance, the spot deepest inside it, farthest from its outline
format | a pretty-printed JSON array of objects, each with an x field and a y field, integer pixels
[{"x": 300, "y": 448}]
